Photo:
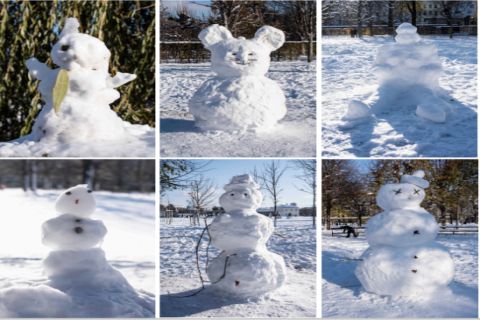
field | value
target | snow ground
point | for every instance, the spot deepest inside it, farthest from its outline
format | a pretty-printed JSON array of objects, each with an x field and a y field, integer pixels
[
  {"x": 129, "y": 244},
  {"x": 346, "y": 75},
  {"x": 294, "y": 136},
  {"x": 178, "y": 275},
  {"x": 344, "y": 297}
]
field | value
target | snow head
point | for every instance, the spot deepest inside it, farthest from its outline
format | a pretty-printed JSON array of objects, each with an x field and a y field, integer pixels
[
  {"x": 239, "y": 56},
  {"x": 408, "y": 193},
  {"x": 78, "y": 50},
  {"x": 242, "y": 193},
  {"x": 77, "y": 201},
  {"x": 69, "y": 232},
  {"x": 407, "y": 34}
]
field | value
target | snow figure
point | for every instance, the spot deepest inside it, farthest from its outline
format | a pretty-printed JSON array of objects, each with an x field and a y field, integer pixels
[
  {"x": 240, "y": 97},
  {"x": 244, "y": 268},
  {"x": 81, "y": 282},
  {"x": 403, "y": 258},
  {"x": 77, "y": 97},
  {"x": 408, "y": 71}
]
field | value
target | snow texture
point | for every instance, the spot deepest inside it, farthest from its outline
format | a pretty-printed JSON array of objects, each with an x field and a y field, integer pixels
[
  {"x": 343, "y": 296},
  {"x": 407, "y": 94},
  {"x": 85, "y": 125},
  {"x": 81, "y": 282},
  {"x": 178, "y": 276},
  {"x": 293, "y": 136},
  {"x": 245, "y": 268},
  {"x": 403, "y": 259},
  {"x": 239, "y": 97}
]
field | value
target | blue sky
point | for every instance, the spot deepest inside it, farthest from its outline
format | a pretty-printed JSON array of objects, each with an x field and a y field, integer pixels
[
  {"x": 195, "y": 7},
  {"x": 220, "y": 171}
]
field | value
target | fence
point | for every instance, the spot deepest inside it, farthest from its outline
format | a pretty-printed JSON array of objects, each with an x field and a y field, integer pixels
[
  {"x": 432, "y": 29},
  {"x": 194, "y": 52}
]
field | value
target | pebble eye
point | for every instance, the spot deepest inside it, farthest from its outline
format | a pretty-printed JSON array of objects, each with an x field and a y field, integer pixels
[
  {"x": 250, "y": 54},
  {"x": 245, "y": 194},
  {"x": 65, "y": 47},
  {"x": 89, "y": 191},
  {"x": 78, "y": 220},
  {"x": 234, "y": 54},
  {"x": 68, "y": 193},
  {"x": 232, "y": 194},
  {"x": 78, "y": 230}
]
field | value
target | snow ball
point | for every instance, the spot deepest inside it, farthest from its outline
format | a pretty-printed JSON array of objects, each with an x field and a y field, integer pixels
[
  {"x": 240, "y": 230},
  {"x": 356, "y": 110},
  {"x": 399, "y": 196},
  {"x": 416, "y": 179},
  {"x": 247, "y": 273},
  {"x": 69, "y": 232},
  {"x": 78, "y": 201},
  {"x": 407, "y": 34},
  {"x": 241, "y": 193},
  {"x": 61, "y": 265},
  {"x": 401, "y": 228},
  {"x": 413, "y": 271},
  {"x": 431, "y": 112},
  {"x": 76, "y": 50},
  {"x": 239, "y": 56}
]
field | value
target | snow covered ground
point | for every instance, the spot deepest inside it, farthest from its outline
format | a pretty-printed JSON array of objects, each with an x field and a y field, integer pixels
[
  {"x": 129, "y": 244},
  {"x": 344, "y": 297},
  {"x": 179, "y": 278},
  {"x": 294, "y": 136},
  {"x": 346, "y": 75}
]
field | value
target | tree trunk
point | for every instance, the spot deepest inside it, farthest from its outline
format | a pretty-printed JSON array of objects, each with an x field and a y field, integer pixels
[
  {"x": 26, "y": 176},
  {"x": 359, "y": 19},
  {"x": 414, "y": 12},
  {"x": 33, "y": 173},
  {"x": 328, "y": 209},
  {"x": 391, "y": 28},
  {"x": 310, "y": 47},
  {"x": 89, "y": 173}
]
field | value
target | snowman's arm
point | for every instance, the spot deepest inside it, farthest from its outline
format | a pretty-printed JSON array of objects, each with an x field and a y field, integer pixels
[
  {"x": 37, "y": 69},
  {"x": 120, "y": 79}
]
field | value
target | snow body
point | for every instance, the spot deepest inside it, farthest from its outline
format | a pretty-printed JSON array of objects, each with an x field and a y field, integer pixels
[
  {"x": 81, "y": 282},
  {"x": 403, "y": 258},
  {"x": 240, "y": 97},
  {"x": 85, "y": 116},
  {"x": 245, "y": 267}
]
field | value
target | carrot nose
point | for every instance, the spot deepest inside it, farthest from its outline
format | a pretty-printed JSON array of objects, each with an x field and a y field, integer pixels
[{"x": 76, "y": 201}]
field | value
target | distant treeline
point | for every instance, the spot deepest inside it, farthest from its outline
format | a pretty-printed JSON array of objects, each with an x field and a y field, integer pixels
[
  {"x": 112, "y": 175},
  {"x": 179, "y": 29}
]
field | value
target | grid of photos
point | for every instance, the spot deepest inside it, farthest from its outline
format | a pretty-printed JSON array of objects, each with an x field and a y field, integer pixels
[{"x": 179, "y": 159}]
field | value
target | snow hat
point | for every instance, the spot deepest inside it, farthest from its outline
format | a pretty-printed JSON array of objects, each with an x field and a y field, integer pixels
[
  {"x": 244, "y": 180},
  {"x": 416, "y": 179}
]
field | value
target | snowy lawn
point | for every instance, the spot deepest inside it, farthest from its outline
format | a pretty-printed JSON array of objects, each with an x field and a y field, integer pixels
[
  {"x": 346, "y": 75},
  {"x": 129, "y": 244},
  {"x": 344, "y": 297},
  {"x": 294, "y": 136},
  {"x": 179, "y": 278}
]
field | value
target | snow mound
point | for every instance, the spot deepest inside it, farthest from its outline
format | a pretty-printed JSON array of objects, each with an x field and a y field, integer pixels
[{"x": 356, "y": 110}]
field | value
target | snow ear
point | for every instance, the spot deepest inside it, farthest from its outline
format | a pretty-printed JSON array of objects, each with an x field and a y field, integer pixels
[
  {"x": 271, "y": 37},
  {"x": 213, "y": 35},
  {"x": 71, "y": 26}
]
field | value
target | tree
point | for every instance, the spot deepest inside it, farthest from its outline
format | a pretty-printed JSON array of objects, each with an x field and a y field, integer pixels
[
  {"x": 309, "y": 177},
  {"x": 202, "y": 194},
  {"x": 412, "y": 7},
  {"x": 177, "y": 174},
  {"x": 270, "y": 177}
]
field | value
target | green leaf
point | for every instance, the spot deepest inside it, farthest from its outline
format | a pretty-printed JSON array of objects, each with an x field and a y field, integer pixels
[{"x": 60, "y": 89}]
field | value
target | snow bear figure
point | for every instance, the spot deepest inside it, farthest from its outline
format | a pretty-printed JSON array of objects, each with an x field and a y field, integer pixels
[
  {"x": 245, "y": 267},
  {"x": 403, "y": 258},
  {"x": 90, "y": 90},
  {"x": 240, "y": 97}
]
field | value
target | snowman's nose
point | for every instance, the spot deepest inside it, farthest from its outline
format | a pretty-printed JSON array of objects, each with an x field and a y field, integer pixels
[{"x": 77, "y": 201}]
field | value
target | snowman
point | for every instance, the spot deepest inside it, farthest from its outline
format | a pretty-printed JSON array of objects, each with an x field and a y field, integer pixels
[
  {"x": 240, "y": 97},
  {"x": 403, "y": 258},
  {"x": 408, "y": 71},
  {"x": 77, "y": 265},
  {"x": 245, "y": 268},
  {"x": 77, "y": 98}
]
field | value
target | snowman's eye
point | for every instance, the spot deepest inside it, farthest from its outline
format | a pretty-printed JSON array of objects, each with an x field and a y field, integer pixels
[
  {"x": 250, "y": 54},
  {"x": 68, "y": 193},
  {"x": 232, "y": 194},
  {"x": 245, "y": 194},
  {"x": 234, "y": 54},
  {"x": 89, "y": 191},
  {"x": 65, "y": 47},
  {"x": 78, "y": 220},
  {"x": 78, "y": 230},
  {"x": 398, "y": 191},
  {"x": 415, "y": 191}
]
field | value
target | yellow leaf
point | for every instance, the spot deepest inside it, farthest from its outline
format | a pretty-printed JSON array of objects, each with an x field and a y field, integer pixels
[{"x": 60, "y": 89}]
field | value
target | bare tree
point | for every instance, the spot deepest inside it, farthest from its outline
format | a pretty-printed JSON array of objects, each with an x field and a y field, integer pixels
[
  {"x": 412, "y": 8},
  {"x": 178, "y": 174},
  {"x": 270, "y": 177},
  {"x": 202, "y": 194},
  {"x": 309, "y": 177}
]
